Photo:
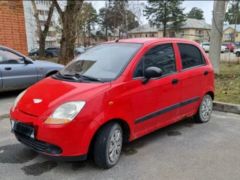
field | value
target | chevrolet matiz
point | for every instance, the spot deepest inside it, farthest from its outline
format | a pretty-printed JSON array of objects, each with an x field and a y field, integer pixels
[{"x": 113, "y": 93}]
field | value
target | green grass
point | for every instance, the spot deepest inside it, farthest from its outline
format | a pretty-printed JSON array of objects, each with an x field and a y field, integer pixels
[{"x": 227, "y": 83}]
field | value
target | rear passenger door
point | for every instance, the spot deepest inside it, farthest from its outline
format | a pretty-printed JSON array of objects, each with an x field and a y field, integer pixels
[{"x": 191, "y": 78}]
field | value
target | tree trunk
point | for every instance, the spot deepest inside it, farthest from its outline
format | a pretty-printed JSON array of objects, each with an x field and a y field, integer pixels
[
  {"x": 41, "y": 42},
  {"x": 69, "y": 31},
  {"x": 42, "y": 34},
  {"x": 216, "y": 34},
  {"x": 68, "y": 39},
  {"x": 164, "y": 29},
  {"x": 106, "y": 33}
]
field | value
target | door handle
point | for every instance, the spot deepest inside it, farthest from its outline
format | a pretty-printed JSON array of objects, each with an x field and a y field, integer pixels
[
  {"x": 205, "y": 73},
  {"x": 175, "y": 81},
  {"x": 8, "y": 68}
]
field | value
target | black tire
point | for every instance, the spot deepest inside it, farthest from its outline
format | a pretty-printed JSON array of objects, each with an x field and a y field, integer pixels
[
  {"x": 102, "y": 144},
  {"x": 199, "y": 117},
  {"x": 49, "y": 55},
  {"x": 238, "y": 54}
]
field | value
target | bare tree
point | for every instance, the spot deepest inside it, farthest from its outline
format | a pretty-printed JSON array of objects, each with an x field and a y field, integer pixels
[
  {"x": 69, "y": 30},
  {"x": 42, "y": 33}
]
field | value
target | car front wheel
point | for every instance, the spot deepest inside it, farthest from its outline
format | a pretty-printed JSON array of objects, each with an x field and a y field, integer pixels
[
  {"x": 238, "y": 54},
  {"x": 108, "y": 145},
  {"x": 205, "y": 109}
]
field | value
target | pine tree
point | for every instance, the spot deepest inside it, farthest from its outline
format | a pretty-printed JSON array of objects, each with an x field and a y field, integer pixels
[
  {"x": 196, "y": 13},
  {"x": 160, "y": 13}
]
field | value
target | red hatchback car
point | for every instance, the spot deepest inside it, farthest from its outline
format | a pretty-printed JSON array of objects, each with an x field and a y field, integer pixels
[{"x": 113, "y": 93}]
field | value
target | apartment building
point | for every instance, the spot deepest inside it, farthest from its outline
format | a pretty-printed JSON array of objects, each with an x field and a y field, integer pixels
[{"x": 30, "y": 23}]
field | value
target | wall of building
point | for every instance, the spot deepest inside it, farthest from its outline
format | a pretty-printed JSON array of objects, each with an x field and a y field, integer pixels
[
  {"x": 12, "y": 31},
  {"x": 191, "y": 34},
  {"x": 31, "y": 27},
  {"x": 228, "y": 35},
  {"x": 143, "y": 35}
]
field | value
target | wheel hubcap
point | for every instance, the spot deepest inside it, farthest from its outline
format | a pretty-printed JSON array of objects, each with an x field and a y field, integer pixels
[
  {"x": 206, "y": 108},
  {"x": 115, "y": 146}
]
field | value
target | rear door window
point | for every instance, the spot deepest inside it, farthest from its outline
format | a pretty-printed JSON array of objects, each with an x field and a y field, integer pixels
[{"x": 190, "y": 56}]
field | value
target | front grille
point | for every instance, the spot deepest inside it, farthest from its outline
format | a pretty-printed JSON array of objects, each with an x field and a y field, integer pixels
[
  {"x": 23, "y": 129},
  {"x": 39, "y": 146}
]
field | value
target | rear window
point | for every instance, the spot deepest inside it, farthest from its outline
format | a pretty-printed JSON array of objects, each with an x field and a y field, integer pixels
[{"x": 190, "y": 55}]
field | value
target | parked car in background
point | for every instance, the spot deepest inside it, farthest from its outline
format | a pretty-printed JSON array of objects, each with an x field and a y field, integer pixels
[
  {"x": 49, "y": 52},
  {"x": 206, "y": 47},
  {"x": 52, "y": 52},
  {"x": 34, "y": 52},
  {"x": 229, "y": 46},
  {"x": 18, "y": 71},
  {"x": 237, "y": 52},
  {"x": 113, "y": 93},
  {"x": 79, "y": 50},
  {"x": 237, "y": 44}
]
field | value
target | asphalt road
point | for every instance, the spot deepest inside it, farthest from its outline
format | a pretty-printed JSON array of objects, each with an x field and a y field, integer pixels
[
  {"x": 183, "y": 151},
  {"x": 6, "y": 101}
]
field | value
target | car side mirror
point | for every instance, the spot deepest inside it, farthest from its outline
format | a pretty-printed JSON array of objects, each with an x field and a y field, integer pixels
[
  {"x": 151, "y": 72},
  {"x": 26, "y": 61}
]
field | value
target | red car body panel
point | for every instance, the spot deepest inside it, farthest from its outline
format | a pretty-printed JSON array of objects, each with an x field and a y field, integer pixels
[{"x": 125, "y": 99}]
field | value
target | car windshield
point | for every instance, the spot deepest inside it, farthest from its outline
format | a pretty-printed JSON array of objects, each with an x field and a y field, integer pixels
[{"x": 103, "y": 62}]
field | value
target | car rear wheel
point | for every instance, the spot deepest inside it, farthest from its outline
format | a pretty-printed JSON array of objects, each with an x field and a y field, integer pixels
[
  {"x": 205, "y": 109},
  {"x": 108, "y": 146},
  {"x": 238, "y": 54}
]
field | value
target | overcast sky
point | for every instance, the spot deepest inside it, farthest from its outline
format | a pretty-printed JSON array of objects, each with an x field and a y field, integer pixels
[{"x": 206, "y": 6}]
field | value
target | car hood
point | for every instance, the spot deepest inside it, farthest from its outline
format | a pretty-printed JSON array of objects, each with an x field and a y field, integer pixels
[
  {"x": 46, "y": 63},
  {"x": 52, "y": 93}
]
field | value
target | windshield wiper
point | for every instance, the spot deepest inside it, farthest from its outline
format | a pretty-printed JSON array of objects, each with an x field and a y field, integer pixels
[
  {"x": 89, "y": 77},
  {"x": 68, "y": 76},
  {"x": 78, "y": 76}
]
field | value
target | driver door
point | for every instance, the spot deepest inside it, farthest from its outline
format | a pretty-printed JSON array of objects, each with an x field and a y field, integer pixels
[
  {"x": 16, "y": 74},
  {"x": 155, "y": 104}
]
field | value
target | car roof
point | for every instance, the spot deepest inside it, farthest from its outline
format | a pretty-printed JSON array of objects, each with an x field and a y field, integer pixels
[
  {"x": 10, "y": 49},
  {"x": 147, "y": 41},
  {"x": 13, "y": 51}
]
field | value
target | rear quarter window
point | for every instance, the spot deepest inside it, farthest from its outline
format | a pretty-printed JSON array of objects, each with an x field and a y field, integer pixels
[{"x": 191, "y": 56}]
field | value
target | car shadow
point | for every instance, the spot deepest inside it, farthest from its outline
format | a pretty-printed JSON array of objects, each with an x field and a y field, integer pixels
[
  {"x": 132, "y": 148},
  {"x": 38, "y": 164}
]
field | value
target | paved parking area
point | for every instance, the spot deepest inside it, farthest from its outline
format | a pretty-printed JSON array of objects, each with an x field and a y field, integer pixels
[
  {"x": 183, "y": 151},
  {"x": 6, "y": 101}
]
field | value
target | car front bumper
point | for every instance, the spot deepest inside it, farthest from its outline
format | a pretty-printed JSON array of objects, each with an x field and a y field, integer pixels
[{"x": 59, "y": 141}]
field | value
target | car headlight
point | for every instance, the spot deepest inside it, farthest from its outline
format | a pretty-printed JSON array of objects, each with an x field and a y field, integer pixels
[
  {"x": 18, "y": 99},
  {"x": 65, "y": 113}
]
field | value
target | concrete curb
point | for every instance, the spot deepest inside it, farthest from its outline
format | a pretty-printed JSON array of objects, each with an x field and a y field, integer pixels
[
  {"x": 217, "y": 106},
  {"x": 226, "y": 107}
]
